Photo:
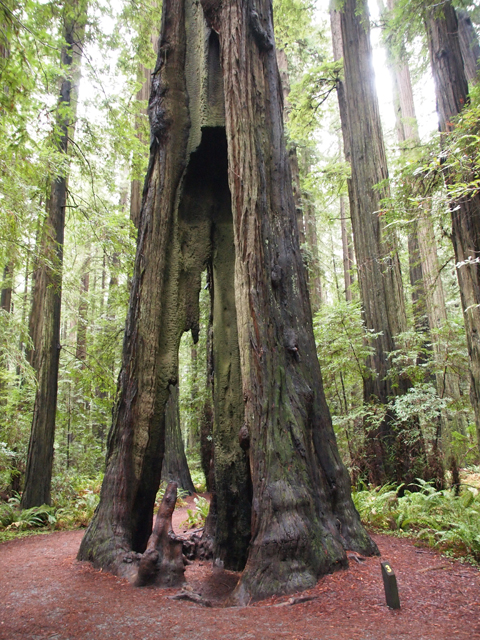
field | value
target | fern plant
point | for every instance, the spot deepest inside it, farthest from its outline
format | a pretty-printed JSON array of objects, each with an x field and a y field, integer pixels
[{"x": 439, "y": 518}]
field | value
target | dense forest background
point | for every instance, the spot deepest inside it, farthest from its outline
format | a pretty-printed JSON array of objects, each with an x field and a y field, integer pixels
[{"x": 94, "y": 139}]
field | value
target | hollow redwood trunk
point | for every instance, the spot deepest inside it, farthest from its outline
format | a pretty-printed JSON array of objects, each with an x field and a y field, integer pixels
[{"x": 218, "y": 191}]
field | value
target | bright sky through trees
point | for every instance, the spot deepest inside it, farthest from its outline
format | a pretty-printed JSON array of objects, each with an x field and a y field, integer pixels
[{"x": 424, "y": 92}]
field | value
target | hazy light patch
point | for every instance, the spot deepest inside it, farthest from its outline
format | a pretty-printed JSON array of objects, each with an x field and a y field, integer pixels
[{"x": 423, "y": 89}]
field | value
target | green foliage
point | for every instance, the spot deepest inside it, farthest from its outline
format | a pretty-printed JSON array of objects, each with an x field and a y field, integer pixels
[
  {"x": 74, "y": 500},
  {"x": 440, "y": 518},
  {"x": 196, "y": 517},
  {"x": 308, "y": 95},
  {"x": 6, "y": 458},
  {"x": 293, "y": 19},
  {"x": 196, "y": 473},
  {"x": 342, "y": 348},
  {"x": 461, "y": 151}
]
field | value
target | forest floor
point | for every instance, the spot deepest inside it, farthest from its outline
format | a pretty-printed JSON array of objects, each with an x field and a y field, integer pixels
[{"x": 46, "y": 593}]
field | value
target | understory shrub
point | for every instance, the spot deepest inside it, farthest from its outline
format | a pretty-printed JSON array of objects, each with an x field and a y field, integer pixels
[
  {"x": 74, "y": 500},
  {"x": 440, "y": 518}
]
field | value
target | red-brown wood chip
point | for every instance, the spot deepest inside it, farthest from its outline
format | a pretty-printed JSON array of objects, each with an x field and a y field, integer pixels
[{"x": 46, "y": 593}]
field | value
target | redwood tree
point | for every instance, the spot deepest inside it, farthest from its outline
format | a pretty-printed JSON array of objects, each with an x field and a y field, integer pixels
[
  {"x": 429, "y": 307},
  {"x": 378, "y": 266},
  {"x": 469, "y": 46},
  {"x": 452, "y": 95},
  {"x": 47, "y": 295},
  {"x": 218, "y": 191}
]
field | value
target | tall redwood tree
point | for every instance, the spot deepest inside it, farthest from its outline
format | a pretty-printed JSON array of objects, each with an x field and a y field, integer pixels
[
  {"x": 452, "y": 95},
  {"x": 218, "y": 192},
  {"x": 44, "y": 321}
]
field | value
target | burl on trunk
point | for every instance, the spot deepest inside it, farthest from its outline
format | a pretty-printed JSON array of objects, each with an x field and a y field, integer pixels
[{"x": 218, "y": 193}]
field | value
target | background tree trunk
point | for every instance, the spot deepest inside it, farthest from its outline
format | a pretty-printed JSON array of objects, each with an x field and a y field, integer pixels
[
  {"x": 452, "y": 95},
  {"x": 175, "y": 466},
  {"x": 337, "y": 46},
  {"x": 429, "y": 306},
  {"x": 82, "y": 321},
  {"x": 377, "y": 261},
  {"x": 7, "y": 287},
  {"x": 469, "y": 47},
  {"x": 48, "y": 282},
  {"x": 306, "y": 219}
]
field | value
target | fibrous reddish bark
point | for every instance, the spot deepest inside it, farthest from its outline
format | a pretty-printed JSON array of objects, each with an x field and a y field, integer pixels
[{"x": 218, "y": 191}]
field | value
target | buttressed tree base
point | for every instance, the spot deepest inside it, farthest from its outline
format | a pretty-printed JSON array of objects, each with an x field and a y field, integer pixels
[{"x": 218, "y": 195}]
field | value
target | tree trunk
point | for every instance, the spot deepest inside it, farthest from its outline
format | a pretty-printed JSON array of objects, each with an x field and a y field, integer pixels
[
  {"x": 162, "y": 563},
  {"x": 314, "y": 279},
  {"x": 7, "y": 287},
  {"x": 82, "y": 320},
  {"x": 407, "y": 135},
  {"x": 306, "y": 219},
  {"x": 143, "y": 95},
  {"x": 175, "y": 466},
  {"x": 452, "y": 94},
  {"x": 219, "y": 189},
  {"x": 347, "y": 262},
  {"x": 377, "y": 261},
  {"x": 429, "y": 306},
  {"x": 337, "y": 46},
  {"x": 469, "y": 47},
  {"x": 48, "y": 283}
]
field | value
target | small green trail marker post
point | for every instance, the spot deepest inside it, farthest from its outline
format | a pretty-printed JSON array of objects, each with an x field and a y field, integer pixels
[{"x": 390, "y": 584}]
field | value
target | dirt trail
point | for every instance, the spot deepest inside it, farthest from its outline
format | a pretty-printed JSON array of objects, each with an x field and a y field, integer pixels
[{"x": 46, "y": 593}]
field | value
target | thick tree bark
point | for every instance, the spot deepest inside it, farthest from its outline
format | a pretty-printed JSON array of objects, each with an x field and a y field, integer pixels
[
  {"x": 469, "y": 47},
  {"x": 175, "y": 465},
  {"x": 48, "y": 283},
  {"x": 452, "y": 95},
  {"x": 218, "y": 190}
]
